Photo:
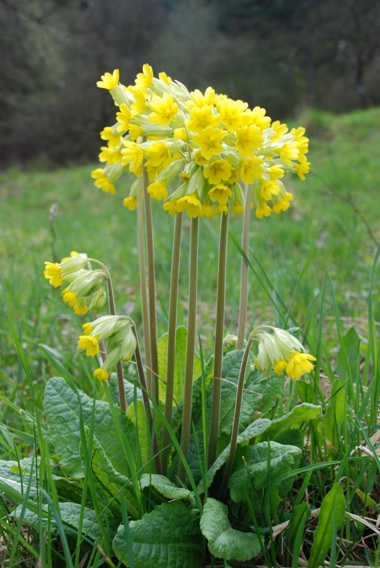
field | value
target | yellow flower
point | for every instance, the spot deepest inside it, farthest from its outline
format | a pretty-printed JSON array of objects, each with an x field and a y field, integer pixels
[
  {"x": 231, "y": 113},
  {"x": 299, "y": 363},
  {"x": 113, "y": 139},
  {"x": 283, "y": 203},
  {"x": 109, "y": 155},
  {"x": 109, "y": 81},
  {"x": 209, "y": 141},
  {"x": 217, "y": 171},
  {"x": 171, "y": 207},
  {"x": 280, "y": 351},
  {"x": 220, "y": 193},
  {"x": 302, "y": 168},
  {"x": 70, "y": 297},
  {"x": 101, "y": 374},
  {"x": 237, "y": 208},
  {"x": 145, "y": 79},
  {"x": 251, "y": 170},
  {"x": 165, "y": 78},
  {"x": 130, "y": 202},
  {"x": 248, "y": 138},
  {"x": 123, "y": 117},
  {"x": 133, "y": 155},
  {"x": 87, "y": 328},
  {"x": 256, "y": 116},
  {"x": 102, "y": 181},
  {"x": 90, "y": 344},
  {"x": 158, "y": 154},
  {"x": 199, "y": 99},
  {"x": 263, "y": 210},
  {"x": 191, "y": 204},
  {"x": 52, "y": 273},
  {"x": 201, "y": 118},
  {"x": 157, "y": 190},
  {"x": 164, "y": 109}
]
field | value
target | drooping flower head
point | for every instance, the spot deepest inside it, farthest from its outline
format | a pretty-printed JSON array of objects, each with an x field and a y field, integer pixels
[
  {"x": 116, "y": 332},
  {"x": 279, "y": 351},
  {"x": 208, "y": 140},
  {"x": 84, "y": 286}
]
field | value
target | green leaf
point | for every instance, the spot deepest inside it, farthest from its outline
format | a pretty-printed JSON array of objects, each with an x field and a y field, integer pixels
[
  {"x": 165, "y": 487},
  {"x": 293, "y": 419},
  {"x": 137, "y": 415},
  {"x": 224, "y": 541},
  {"x": 179, "y": 365},
  {"x": 348, "y": 355},
  {"x": 331, "y": 519},
  {"x": 262, "y": 463},
  {"x": 68, "y": 412},
  {"x": 111, "y": 482},
  {"x": 294, "y": 532},
  {"x": 259, "y": 393},
  {"x": 335, "y": 414},
  {"x": 168, "y": 536},
  {"x": 70, "y": 514},
  {"x": 255, "y": 429}
]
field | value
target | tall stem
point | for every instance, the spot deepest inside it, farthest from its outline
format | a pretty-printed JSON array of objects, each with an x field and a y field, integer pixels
[
  {"x": 119, "y": 366},
  {"x": 219, "y": 334},
  {"x": 236, "y": 421},
  {"x": 143, "y": 282},
  {"x": 244, "y": 271},
  {"x": 151, "y": 288},
  {"x": 190, "y": 346},
  {"x": 140, "y": 370},
  {"x": 170, "y": 367}
]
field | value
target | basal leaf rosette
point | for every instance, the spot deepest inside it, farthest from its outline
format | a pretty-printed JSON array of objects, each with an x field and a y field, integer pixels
[{"x": 204, "y": 153}]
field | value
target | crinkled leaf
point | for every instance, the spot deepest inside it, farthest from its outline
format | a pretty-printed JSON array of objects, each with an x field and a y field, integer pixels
[
  {"x": 165, "y": 487},
  {"x": 112, "y": 483},
  {"x": 293, "y": 419},
  {"x": 262, "y": 463},
  {"x": 224, "y": 541},
  {"x": 68, "y": 411},
  {"x": 255, "y": 429},
  {"x": 70, "y": 514},
  {"x": 179, "y": 364},
  {"x": 260, "y": 393},
  {"x": 168, "y": 536},
  {"x": 132, "y": 390},
  {"x": 137, "y": 415},
  {"x": 331, "y": 519}
]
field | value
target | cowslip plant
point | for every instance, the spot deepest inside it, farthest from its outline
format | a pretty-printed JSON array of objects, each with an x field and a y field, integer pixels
[{"x": 180, "y": 453}]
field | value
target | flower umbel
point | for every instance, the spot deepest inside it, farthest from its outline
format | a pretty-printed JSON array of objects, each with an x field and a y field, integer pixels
[
  {"x": 163, "y": 128},
  {"x": 279, "y": 351}
]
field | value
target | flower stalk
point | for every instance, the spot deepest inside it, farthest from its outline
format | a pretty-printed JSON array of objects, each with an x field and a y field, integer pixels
[
  {"x": 219, "y": 334},
  {"x": 236, "y": 420},
  {"x": 190, "y": 346},
  {"x": 243, "y": 306},
  {"x": 151, "y": 288},
  {"x": 170, "y": 369}
]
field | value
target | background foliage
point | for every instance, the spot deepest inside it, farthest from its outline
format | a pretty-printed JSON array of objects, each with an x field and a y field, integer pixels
[{"x": 281, "y": 55}]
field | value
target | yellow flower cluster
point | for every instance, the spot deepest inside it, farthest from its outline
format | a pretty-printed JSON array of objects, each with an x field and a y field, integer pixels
[
  {"x": 280, "y": 352},
  {"x": 84, "y": 289},
  {"x": 117, "y": 333},
  {"x": 204, "y": 153}
]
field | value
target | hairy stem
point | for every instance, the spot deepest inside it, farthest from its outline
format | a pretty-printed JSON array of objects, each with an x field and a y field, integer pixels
[
  {"x": 170, "y": 367},
  {"x": 190, "y": 346},
  {"x": 141, "y": 373},
  {"x": 236, "y": 421},
  {"x": 244, "y": 271},
  {"x": 143, "y": 282},
  {"x": 151, "y": 288},
  {"x": 219, "y": 334},
  {"x": 119, "y": 366}
]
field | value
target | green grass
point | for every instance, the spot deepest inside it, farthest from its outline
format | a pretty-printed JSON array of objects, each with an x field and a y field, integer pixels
[{"x": 313, "y": 265}]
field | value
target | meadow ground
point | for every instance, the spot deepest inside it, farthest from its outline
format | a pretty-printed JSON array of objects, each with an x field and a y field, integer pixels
[{"x": 313, "y": 267}]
